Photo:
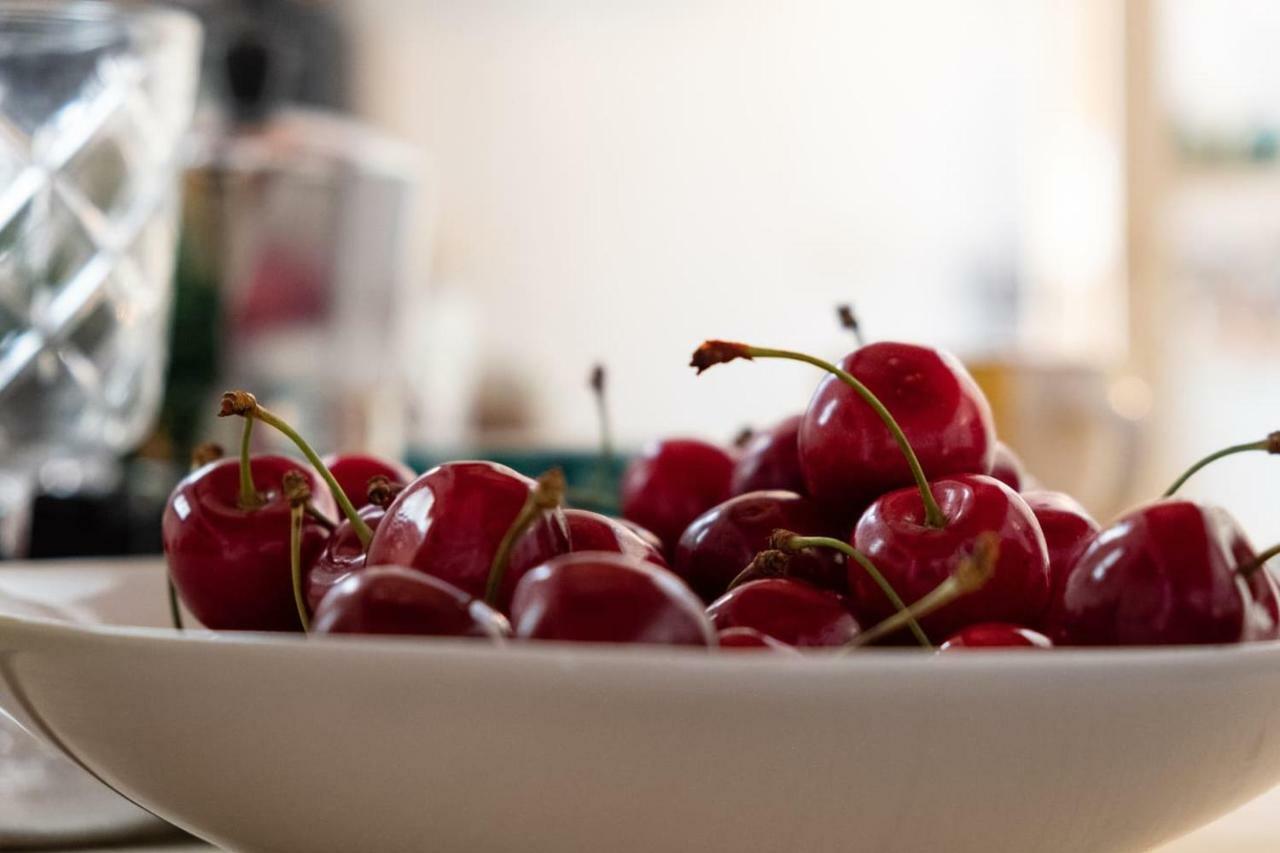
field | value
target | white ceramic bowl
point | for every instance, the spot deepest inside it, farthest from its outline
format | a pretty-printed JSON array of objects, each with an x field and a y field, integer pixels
[{"x": 286, "y": 744}]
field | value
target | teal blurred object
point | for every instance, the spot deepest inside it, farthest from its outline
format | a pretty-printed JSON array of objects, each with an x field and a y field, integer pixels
[{"x": 592, "y": 485}]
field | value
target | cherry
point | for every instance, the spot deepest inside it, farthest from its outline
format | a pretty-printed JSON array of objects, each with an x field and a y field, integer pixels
[
  {"x": 995, "y": 635},
  {"x": 741, "y": 638},
  {"x": 1007, "y": 467},
  {"x": 395, "y": 600},
  {"x": 770, "y": 459},
  {"x": 1169, "y": 572},
  {"x": 644, "y": 533},
  {"x": 790, "y": 611},
  {"x": 916, "y": 539},
  {"x": 228, "y": 550},
  {"x": 450, "y": 522},
  {"x": 607, "y": 598},
  {"x": 591, "y": 531},
  {"x": 1068, "y": 529},
  {"x": 343, "y": 556},
  {"x": 722, "y": 541},
  {"x": 353, "y": 471},
  {"x": 672, "y": 482},
  {"x": 894, "y": 533},
  {"x": 885, "y": 413}
]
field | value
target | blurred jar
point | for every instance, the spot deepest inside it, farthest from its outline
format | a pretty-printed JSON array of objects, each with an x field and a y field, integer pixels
[{"x": 296, "y": 234}]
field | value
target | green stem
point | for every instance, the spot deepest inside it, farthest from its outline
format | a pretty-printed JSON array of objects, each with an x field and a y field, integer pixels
[
  {"x": 799, "y": 542},
  {"x": 296, "y": 515},
  {"x": 249, "y": 497},
  {"x": 363, "y": 531},
  {"x": 933, "y": 514},
  {"x": 175, "y": 610},
  {"x": 1267, "y": 444},
  {"x": 1259, "y": 561},
  {"x": 972, "y": 573},
  {"x": 547, "y": 494}
]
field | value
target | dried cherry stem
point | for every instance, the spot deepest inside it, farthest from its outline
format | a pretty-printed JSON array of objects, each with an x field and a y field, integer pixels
[
  {"x": 718, "y": 352},
  {"x": 381, "y": 490},
  {"x": 206, "y": 452},
  {"x": 743, "y": 438},
  {"x": 298, "y": 492},
  {"x": 769, "y": 563},
  {"x": 249, "y": 497},
  {"x": 787, "y": 541},
  {"x": 1270, "y": 444},
  {"x": 849, "y": 320},
  {"x": 1259, "y": 561},
  {"x": 546, "y": 495},
  {"x": 598, "y": 387},
  {"x": 971, "y": 574},
  {"x": 246, "y": 405}
]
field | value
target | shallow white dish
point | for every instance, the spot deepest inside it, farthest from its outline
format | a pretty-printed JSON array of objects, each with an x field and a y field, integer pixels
[{"x": 285, "y": 744}]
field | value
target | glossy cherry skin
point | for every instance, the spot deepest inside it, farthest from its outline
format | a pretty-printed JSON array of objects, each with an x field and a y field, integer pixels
[
  {"x": 231, "y": 565},
  {"x": 988, "y": 635},
  {"x": 1163, "y": 574},
  {"x": 599, "y": 597},
  {"x": 449, "y": 521},
  {"x": 915, "y": 558},
  {"x": 1008, "y": 468},
  {"x": 395, "y": 600},
  {"x": 343, "y": 555},
  {"x": 1068, "y": 529},
  {"x": 770, "y": 460},
  {"x": 591, "y": 531},
  {"x": 671, "y": 483},
  {"x": 722, "y": 541},
  {"x": 749, "y": 639},
  {"x": 353, "y": 471},
  {"x": 848, "y": 455},
  {"x": 790, "y": 611}
]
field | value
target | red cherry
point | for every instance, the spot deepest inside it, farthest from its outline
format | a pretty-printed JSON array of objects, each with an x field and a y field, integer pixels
[
  {"x": 394, "y": 600},
  {"x": 353, "y": 471},
  {"x": 343, "y": 556},
  {"x": 916, "y": 557},
  {"x": 850, "y": 457},
  {"x": 591, "y": 531},
  {"x": 995, "y": 635},
  {"x": 1007, "y": 467},
  {"x": 644, "y": 533},
  {"x": 597, "y": 597},
  {"x": 770, "y": 460},
  {"x": 449, "y": 521},
  {"x": 230, "y": 565},
  {"x": 790, "y": 611},
  {"x": 1068, "y": 529},
  {"x": 722, "y": 541},
  {"x": 739, "y": 639},
  {"x": 672, "y": 482},
  {"x": 1165, "y": 573}
]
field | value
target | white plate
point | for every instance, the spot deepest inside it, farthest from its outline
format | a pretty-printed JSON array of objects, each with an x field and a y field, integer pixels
[{"x": 285, "y": 744}]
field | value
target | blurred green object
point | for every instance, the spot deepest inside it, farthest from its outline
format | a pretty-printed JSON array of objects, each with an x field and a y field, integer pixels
[{"x": 592, "y": 484}]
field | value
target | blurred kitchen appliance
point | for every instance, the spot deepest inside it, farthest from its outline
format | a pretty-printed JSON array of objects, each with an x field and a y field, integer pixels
[{"x": 299, "y": 220}]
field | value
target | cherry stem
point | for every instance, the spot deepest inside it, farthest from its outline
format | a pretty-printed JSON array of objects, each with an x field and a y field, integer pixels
[
  {"x": 1270, "y": 444},
  {"x": 246, "y": 405},
  {"x": 849, "y": 320},
  {"x": 973, "y": 571},
  {"x": 298, "y": 492},
  {"x": 716, "y": 352},
  {"x": 788, "y": 541},
  {"x": 605, "y": 462},
  {"x": 770, "y": 563},
  {"x": 175, "y": 610},
  {"x": 209, "y": 451},
  {"x": 249, "y": 497},
  {"x": 546, "y": 495},
  {"x": 1259, "y": 561},
  {"x": 320, "y": 518}
]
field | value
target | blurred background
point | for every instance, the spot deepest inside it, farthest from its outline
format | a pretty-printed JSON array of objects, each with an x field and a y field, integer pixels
[{"x": 414, "y": 225}]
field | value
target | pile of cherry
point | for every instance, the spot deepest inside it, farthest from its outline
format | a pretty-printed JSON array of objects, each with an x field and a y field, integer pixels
[{"x": 886, "y": 513}]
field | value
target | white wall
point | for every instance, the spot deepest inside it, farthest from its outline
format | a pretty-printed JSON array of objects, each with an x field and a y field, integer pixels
[{"x": 622, "y": 179}]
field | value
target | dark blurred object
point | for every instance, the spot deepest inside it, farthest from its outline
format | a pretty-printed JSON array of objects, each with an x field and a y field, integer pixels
[{"x": 122, "y": 520}]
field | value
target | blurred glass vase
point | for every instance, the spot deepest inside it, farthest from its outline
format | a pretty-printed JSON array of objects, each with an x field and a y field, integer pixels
[{"x": 95, "y": 101}]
